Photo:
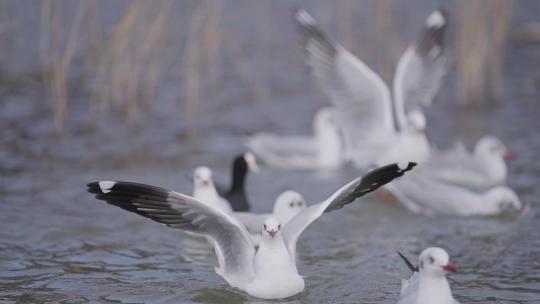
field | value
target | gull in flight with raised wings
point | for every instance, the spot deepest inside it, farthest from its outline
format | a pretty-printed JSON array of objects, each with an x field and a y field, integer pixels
[{"x": 379, "y": 128}]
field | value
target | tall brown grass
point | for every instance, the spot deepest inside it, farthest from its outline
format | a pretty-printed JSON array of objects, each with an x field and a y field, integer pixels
[
  {"x": 57, "y": 56},
  {"x": 123, "y": 63},
  {"x": 482, "y": 32}
]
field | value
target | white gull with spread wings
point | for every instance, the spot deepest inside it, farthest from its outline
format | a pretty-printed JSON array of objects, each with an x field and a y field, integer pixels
[{"x": 270, "y": 272}]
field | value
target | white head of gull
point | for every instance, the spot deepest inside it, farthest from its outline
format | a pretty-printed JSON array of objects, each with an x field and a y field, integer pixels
[
  {"x": 286, "y": 206},
  {"x": 428, "y": 284},
  {"x": 269, "y": 272}
]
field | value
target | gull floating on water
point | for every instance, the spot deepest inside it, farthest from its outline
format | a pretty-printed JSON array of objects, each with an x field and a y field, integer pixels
[
  {"x": 205, "y": 191},
  {"x": 379, "y": 128},
  {"x": 269, "y": 272},
  {"x": 323, "y": 150},
  {"x": 428, "y": 284},
  {"x": 236, "y": 193},
  {"x": 420, "y": 193},
  {"x": 481, "y": 170}
]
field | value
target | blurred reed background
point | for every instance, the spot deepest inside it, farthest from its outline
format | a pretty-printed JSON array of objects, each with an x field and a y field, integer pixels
[{"x": 118, "y": 56}]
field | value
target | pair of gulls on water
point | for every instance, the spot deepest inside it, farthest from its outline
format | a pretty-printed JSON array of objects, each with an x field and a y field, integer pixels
[
  {"x": 268, "y": 271},
  {"x": 367, "y": 125},
  {"x": 471, "y": 183}
]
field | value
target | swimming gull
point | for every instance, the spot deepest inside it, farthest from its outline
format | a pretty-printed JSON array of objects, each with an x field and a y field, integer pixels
[
  {"x": 420, "y": 193},
  {"x": 481, "y": 170},
  {"x": 269, "y": 272},
  {"x": 428, "y": 284}
]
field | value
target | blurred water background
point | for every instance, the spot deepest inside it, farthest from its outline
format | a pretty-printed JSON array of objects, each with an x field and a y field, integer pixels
[{"x": 145, "y": 91}]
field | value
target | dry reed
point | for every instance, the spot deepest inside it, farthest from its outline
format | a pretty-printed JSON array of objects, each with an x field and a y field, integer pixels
[
  {"x": 57, "y": 59},
  {"x": 481, "y": 42}
]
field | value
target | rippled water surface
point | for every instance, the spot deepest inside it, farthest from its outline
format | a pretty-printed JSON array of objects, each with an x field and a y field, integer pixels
[{"x": 60, "y": 245}]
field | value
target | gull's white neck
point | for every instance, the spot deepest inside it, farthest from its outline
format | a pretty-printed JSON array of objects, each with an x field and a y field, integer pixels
[
  {"x": 206, "y": 192},
  {"x": 275, "y": 275},
  {"x": 208, "y": 195},
  {"x": 273, "y": 257},
  {"x": 434, "y": 289},
  {"x": 328, "y": 145},
  {"x": 494, "y": 165}
]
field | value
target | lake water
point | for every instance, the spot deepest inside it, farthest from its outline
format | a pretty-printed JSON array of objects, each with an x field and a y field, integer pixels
[{"x": 60, "y": 245}]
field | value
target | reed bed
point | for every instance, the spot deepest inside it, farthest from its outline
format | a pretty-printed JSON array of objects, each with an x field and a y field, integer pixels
[
  {"x": 123, "y": 63},
  {"x": 482, "y": 32}
]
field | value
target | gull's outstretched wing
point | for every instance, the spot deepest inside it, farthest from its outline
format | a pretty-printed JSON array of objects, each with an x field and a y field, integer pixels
[
  {"x": 346, "y": 195},
  {"x": 360, "y": 96},
  {"x": 421, "y": 68},
  {"x": 232, "y": 242}
]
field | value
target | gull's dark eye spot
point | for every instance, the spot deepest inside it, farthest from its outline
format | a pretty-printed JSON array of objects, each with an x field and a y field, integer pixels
[
  {"x": 291, "y": 205},
  {"x": 279, "y": 227},
  {"x": 431, "y": 260},
  {"x": 264, "y": 226}
]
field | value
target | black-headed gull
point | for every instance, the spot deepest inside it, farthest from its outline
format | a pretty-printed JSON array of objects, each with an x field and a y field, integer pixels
[
  {"x": 428, "y": 284},
  {"x": 323, "y": 150},
  {"x": 422, "y": 194},
  {"x": 483, "y": 169},
  {"x": 269, "y": 272},
  {"x": 236, "y": 193},
  {"x": 371, "y": 120}
]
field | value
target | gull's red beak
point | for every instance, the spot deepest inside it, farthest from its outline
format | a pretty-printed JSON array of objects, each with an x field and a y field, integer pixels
[
  {"x": 272, "y": 232},
  {"x": 449, "y": 267},
  {"x": 509, "y": 155},
  {"x": 205, "y": 183}
]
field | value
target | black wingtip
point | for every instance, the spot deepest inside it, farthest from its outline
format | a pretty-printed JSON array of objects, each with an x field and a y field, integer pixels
[
  {"x": 407, "y": 262},
  {"x": 431, "y": 40},
  {"x": 312, "y": 34},
  {"x": 410, "y": 166}
]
